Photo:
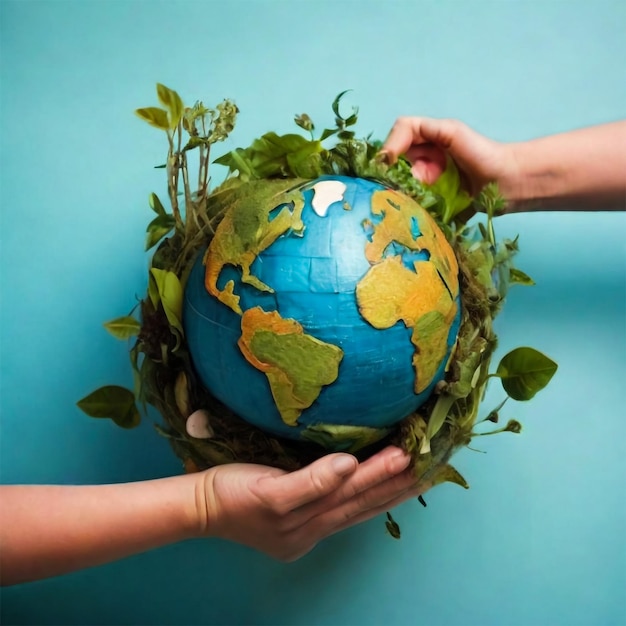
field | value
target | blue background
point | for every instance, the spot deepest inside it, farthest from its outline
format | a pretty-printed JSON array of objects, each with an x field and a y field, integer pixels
[{"x": 539, "y": 539}]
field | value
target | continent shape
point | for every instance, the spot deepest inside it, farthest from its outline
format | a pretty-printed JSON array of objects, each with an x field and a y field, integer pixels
[
  {"x": 255, "y": 219},
  {"x": 422, "y": 297},
  {"x": 297, "y": 365}
]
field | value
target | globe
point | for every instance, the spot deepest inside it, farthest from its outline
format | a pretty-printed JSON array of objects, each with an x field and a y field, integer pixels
[{"x": 331, "y": 303}]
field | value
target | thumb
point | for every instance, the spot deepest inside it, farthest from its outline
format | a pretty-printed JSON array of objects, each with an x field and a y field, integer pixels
[
  {"x": 310, "y": 483},
  {"x": 416, "y": 131}
]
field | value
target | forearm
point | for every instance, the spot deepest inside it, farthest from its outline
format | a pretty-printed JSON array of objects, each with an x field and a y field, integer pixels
[
  {"x": 51, "y": 530},
  {"x": 579, "y": 170}
]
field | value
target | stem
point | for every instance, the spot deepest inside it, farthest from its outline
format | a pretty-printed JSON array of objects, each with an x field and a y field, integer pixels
[
  {"x": 205, "y": 173},
  {"x": 172, "y": 180},
  {"x": 188, "y": 199},
  {"x": 201, "y": 149},
  {"x": 490, "y": 230}
]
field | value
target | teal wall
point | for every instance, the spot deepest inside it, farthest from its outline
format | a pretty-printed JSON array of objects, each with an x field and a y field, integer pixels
[{"x": 539, "y": 538}]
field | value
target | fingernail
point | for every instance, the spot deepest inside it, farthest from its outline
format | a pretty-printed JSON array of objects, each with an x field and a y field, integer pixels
[
  {"x": 344, "y": 465},
  {"x": 400, "y": 460}
]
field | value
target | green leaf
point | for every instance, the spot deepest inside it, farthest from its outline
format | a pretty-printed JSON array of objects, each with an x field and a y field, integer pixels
[
  {"x": 328, "y": 132},
  {"x": 393, "y": 528},
  {"x": 113, "y": 402},
  {"x": 171, "y": 295},
  {"x": 517, "y": 277},
  {"x": 436, "y": 420},
  {"x": 448, "y": 474},
  {"x": 158, "y": 228},
  {"x": 448, "y": 187},
  {"x": 302, "y": 162},
  {"x": 123, "y": 327},
  {"x": 172, "y": 101},
  {"x": 524, "y": 372},
  {"x": 352, "y": 120},
  {"x": 153, "y": 292},
  {"x": 237, "y": 160},
  {"x": 194, "y": 142},
  {"x": 336, "y": 102},
  {"x": 155, "y": 117},
  {"x": 275, "y": 155},
  {"x": 155, "y": 204}
]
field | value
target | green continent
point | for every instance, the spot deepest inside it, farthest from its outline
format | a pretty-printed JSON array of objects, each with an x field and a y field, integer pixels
[
  {"x": 297, "y": 365},
  {"x": 258, "y": 213}
]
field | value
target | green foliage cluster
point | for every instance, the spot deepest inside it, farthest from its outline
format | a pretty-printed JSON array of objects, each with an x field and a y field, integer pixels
[{"x": 162, "y": 369}]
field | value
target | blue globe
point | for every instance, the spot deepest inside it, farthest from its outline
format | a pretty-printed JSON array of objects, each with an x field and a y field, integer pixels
[{"x": 314, "y": 274}]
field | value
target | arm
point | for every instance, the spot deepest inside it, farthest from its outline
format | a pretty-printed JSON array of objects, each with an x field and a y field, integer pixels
[
  {"x": 51, "y": 530},
  {"x": 579, "y": 170}
]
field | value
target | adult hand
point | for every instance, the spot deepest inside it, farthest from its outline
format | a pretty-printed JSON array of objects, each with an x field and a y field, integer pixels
[
  {"x": 286, "y": 514},
  {"x": 425, "y": 142}
]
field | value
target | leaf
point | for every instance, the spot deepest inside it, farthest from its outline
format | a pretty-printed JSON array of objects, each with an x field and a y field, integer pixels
[
  {"x": 194, "y": 142},
  {"x": 517, "y": 277},
  {"x": 336, "y": 102},
  {"x": 155, "y": 117},
  {"x": 158, "y": 228},
  {"x": 155, "y": 204},
  {"x": 328, "y": 132},
  {"x": 171, "y": 295},
  {"x": 181, "y": 394},
  {"x": 153, "y": 292},
  {"x": 448, "y": 186},
  {"x": 113, "y": 402},
  {"x": 524, "y": 372},
  {"x": 123, "y": 327},
  {"x": 275, "y": 155},
  {"x": 237, "y": 160},
  {"x": 393, "y": 528},
  {"x": 448, "y": 474},
  {"x": 172, "y": 101}
]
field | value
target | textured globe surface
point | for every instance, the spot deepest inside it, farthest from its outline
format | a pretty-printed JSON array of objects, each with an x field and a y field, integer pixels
[{"x": 333, "y": 304}]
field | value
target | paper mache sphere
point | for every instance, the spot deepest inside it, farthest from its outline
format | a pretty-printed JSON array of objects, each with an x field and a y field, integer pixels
[{"x": 336, "y": 303}]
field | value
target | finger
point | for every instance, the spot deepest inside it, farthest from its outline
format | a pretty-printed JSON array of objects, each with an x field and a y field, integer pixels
[
  {"x": 377, "y": 470},
  {"x": 370, "y": 500},
  {"x": 382, "y": 508},
  {"x": 415, "y": 131},
  {"x": 428, "y": 162},
  {"x": 309, "y": 484}
]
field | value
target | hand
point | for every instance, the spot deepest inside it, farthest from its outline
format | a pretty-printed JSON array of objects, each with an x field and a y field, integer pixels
[
  {"x": 426, "y": 141},
  {"x": 286, "y": 514}
]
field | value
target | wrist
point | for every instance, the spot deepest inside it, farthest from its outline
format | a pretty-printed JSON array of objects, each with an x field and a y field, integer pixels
[
  {"x": 518, "y": 185},
  {"x": 204, "y": 505}
]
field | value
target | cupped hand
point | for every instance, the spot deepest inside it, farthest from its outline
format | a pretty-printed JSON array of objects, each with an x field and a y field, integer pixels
[
  {"x": 286, "y": 514},
  {"x": 425, "y": 141}
]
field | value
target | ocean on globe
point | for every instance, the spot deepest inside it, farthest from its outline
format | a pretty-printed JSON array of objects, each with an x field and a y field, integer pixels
[{"x": 331, "y": 305}]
